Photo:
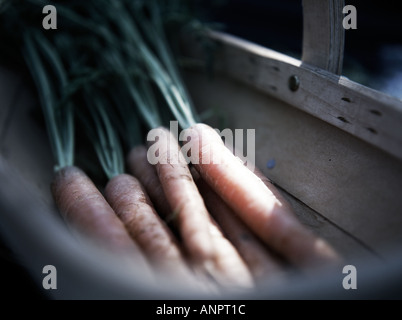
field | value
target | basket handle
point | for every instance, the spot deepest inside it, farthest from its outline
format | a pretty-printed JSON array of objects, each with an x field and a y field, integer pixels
[{"x": 323, "y": 34}]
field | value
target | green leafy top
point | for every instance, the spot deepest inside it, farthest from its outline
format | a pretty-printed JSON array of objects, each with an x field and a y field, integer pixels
[{"x": 108, "y": 62}]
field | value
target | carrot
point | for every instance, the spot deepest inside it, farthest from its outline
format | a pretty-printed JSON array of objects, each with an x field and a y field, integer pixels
[
  {"x": 228, "y": 268},
  {"x": 261, "y": 262},
  {"x": 189, "y": 212},
  {"x": 254, "y": 202},
  {"x": 139, "y": 167},
  {"x": 132, "y": 205},
  {"x": 83, "y": 206}
]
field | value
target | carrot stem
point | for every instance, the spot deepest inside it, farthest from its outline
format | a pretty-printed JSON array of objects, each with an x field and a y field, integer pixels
[{"x": 59, "y": 120}]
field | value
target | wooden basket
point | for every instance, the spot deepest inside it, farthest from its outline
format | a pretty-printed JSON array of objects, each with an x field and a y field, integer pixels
[{"x": 334, "y": 148}]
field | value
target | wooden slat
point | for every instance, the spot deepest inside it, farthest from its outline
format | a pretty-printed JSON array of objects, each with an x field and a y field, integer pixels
[
  {"x": 363, "y": 112},
  {"x": 347, "y": 245},
  {"x": 323, "y": 34}
]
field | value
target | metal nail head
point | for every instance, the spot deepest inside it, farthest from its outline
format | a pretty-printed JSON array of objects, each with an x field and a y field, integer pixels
[{"x": 294, "y": 83}]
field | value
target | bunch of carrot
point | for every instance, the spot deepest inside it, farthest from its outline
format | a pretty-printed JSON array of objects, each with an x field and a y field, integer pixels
[{"x": 110, "y": 75}]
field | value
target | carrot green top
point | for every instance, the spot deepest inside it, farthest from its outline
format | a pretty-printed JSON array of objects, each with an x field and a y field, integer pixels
[{"x": 111, "y": 58}]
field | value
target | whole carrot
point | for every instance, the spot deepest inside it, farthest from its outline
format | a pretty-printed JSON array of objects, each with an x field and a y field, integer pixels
[
  {"x": 254, "y": 202},
  {"x": 190, "y": 214}
]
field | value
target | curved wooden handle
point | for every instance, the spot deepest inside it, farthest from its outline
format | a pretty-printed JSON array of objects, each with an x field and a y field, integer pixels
[{"x": 323, "y": 34}]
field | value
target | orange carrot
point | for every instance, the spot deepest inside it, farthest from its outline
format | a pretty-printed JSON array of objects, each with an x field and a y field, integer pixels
[
  {"x": 254, "y": 202},
  {"x": 261, "y": 262},
  {"x": 190, "y": 214},
  {"x": 140, "y": 168},
  {"x": 228, "y": 268},
  {"x": 84, "y": 207},
  {"x": 132, "y": 205}
]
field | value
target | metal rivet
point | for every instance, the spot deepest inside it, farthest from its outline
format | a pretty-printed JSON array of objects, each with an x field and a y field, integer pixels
[{"x": 294, "y": 83}]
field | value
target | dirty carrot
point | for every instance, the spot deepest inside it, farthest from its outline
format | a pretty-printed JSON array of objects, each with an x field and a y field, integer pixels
[
  {"x": 254, "y": 202},
  {"x": 228, "y": 268},
  {"x": 138, "y": 166},
  {"x": 84, "y": 207},
  {"x": 132, "y": 205},
  {"x": 189, "y": 212}
]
